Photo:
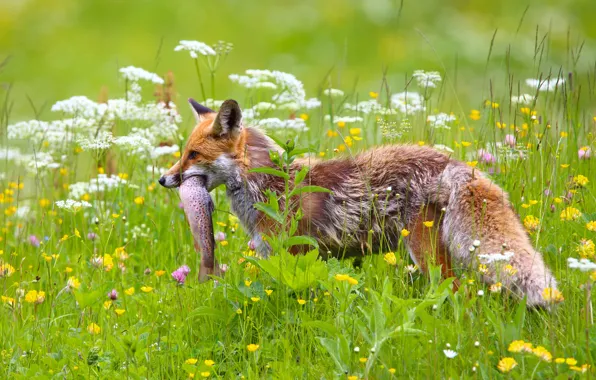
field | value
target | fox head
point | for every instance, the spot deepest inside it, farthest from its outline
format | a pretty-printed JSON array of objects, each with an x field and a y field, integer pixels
[{"x": 213, "y": 148}]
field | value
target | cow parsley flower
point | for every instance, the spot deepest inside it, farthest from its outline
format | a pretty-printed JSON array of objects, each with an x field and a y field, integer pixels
[
  {"x": 450, "y": 354},
  {"x": 103, "y": 141},
  {"x": 495, "y": 257},
  {"x": 427, "y": 79},
  {"x": 135, "y": 74},
  {"x": 440, "y": 120},
  {"x": 72, "y": 205},
  {"x": 545, "y": 84},
  {"x": 408, "y": 103},
  {"x": 522, "y": 99},
  {"x": 583, "y": 265},
  {"x": 195, "y": 48},
  {"x": 333, "y": 92}
]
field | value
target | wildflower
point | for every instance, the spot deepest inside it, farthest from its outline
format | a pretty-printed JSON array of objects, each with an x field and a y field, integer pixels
[
  {"x": 586, "y": 248},
  {"x": 404, "y": 232},
  {"x": 209, "y": 363},
  {"x": 255, "y": 299},
  {"x": 373, "y": 94},
  {"x": 72, "y": 205},
  {"x": 93, "y": 329},
  {"x": 411, "y": 268},
  {"x": 428, "y": 223},
  {"x": 43, "y": 203},
  {"x": 34, "y": 296},
  {"x": 390, "y": 258},
  {"x": 591, "y": 226},
  {"x": 252, "y": 347},
  {"x": 73, "y": 283},
  {"x": 440, "y": 120},
  {"x": 506, "y": 364},
  {"x": 510, "y": 140},
  {"x": 113, "y": 295},
  {"x": 139, "y": 200},
  {"x": 352, "y": 281},
  {"x": 522, "y": 99},
  {"x": 510, "y": 270},
  {"x": 180, "y": 274},
  {"x": 268, "y": 292},
  {"x": 352, "y": 377},
  {"x": 333, "y": 92},
  {"x": 475, "y": 115},
  {"x": 570, "y": 361},
  {"x": 486, "y": 157},
  {"x": 107, "y": 304},
  {"x": 495, "y": 257},
  {"x": 238, "y": 311},
  {"x": 584, "y": 153},
  {"x": 146, "y": 289},
  {"x": 543, "y": 354},
  {"x": 108, "y": 262},
  {"x": 480, "y": 293},
  {"x": 392, "y": 371},
  {"x": 119, "y": 312},
  {"x": 205, "y": 374},
  {"x": 220, "y": 237},
  {"x": 160, "y": 273},
  {"x": 191, "y": 361},
  {"x": 247, "y": 283},
  {"x": 531, "y": 223},
  {"x": 8, "y": 300},
  {"x": 301, "y": 301},
  {"x": 496, "y": 287},
  {"x": 355, "y": 131},
  {"x": 580, "y": 180},
  {"x": 520, "y": 346},
  {"x": 482, "y": 268},
  {"x": 363, "y": 360},
  {"x": 130, "y": 291},
  {"x": 450, "y": 354},
  {"x": 583, "y": 265},
  {"x": 134, "y": 74},
  {"x": 560, "y": 360},
  {"x": 6, "y": 270},
  {"x": 428, "y": 79}
]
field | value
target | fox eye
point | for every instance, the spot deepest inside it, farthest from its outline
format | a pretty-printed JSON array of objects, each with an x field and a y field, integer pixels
[{"x": 193, "y": 154}]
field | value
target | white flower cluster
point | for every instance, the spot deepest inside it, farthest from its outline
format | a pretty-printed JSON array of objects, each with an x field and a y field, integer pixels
[
  {"x": 164, "y": 151},
  {"x": 495, "y": 257},
  {"x": 195, "y": 48},
  {"x": 545, "y": 84},
  {"x": 583, "y": 265},
  {"x": 522, "y": 99},
  {"x": 102, "y": 141},
  {"x": 57, "y": 133},
  {"x": 275, "y": 123},
  {"x": 333, "y": 92},
  {"x": 289, "y": 90},
  {"x": 102, "y": 183},
  {"x": 440, "y": 120},
  {"x": 72, "y": 205},
  {"x": 344, "y": 119},
  {"x": 367, "y": 107},
  {"x": 427, "y": 79},
  {"x": 135, "y": 74},
  {"x": 408, "y": 103}
]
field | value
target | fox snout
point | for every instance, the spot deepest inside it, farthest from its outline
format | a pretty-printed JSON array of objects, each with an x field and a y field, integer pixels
[{"x": 170, "y": 180}]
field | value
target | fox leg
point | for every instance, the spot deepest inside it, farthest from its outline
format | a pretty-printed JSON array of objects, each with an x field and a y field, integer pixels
[{"x": 426, "y": 245}]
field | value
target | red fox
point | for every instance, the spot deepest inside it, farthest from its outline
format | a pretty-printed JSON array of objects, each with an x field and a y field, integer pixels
[{"x": 451, "y": 211}]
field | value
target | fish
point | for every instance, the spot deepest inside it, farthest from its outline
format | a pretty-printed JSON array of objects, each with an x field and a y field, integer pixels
[{"x": 198, "y": 207}]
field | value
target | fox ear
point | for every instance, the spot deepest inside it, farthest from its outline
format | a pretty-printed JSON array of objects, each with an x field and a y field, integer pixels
[
  {"x": 198, "y": 110},
  {"x": 228, "y": 120}
]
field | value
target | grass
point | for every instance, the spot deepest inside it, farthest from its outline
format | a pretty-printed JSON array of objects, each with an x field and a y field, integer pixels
[{"x": 295, "y": 316}]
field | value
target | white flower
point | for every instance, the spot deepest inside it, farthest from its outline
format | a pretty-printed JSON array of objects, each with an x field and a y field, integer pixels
[
  {"x": 444, "y": 148},
  {"x": 344, "y": 119},
  {"x": 275, "y": 123},
  {"x": 427, "y": 79},
  {"x": 164, "y": 151},
  {"x": 264, "y": 106},
  {"x": 333, "y": 92},
  {"x": 104, "y": 140},
  {"x": 495, "y": 257},
  {"x": 195, "y": 47},
  {"x": 522, "y": 99},
  {"x": 100, "y": 184},
  {"x": 368, "y": 106},
  {"x": 356, "y": 349},
  {"x": 450, "y": 354},
  {"x": 476, "y": 344},
  {"x": 480, "y": 293},
  {"x": 545, "y": 84},
  {"x": 583, "y": 265},
  {"x": 408, "y": 103},
  {"x": 440, "y": 120},
  {"x": 133, "y": 143},
  {"x": 72, "y": 205},
  {"x": 135, "y": 74}
]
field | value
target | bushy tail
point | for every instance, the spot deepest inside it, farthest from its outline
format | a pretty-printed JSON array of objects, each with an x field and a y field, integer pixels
[{"x": 478, "y": 211}]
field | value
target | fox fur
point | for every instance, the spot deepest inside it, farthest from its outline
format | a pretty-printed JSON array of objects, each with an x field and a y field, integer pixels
[{"x": 375, "y": 195}]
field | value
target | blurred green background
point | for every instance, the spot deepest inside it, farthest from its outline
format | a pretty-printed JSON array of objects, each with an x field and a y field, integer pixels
[{"x": 61, "y": 48}]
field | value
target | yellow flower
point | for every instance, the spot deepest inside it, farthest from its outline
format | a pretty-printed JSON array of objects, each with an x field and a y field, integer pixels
[
  {"x": 119, "y": 312},
  {"x": 352, "y": 377},
  {"x": 268, "y": 291},
  {"x": 552, "y": 295},
  {"x": 564, "y": 134},
  {"x": 304, "y": 116},
  {"x": 475, "y": 115},
  {"x": 352, "y": 281},
  {"x": 392, "y": 371},
  {"x": 428, "y": 223},
  {"x": 586, "y": 248},
  {"x": 8, "y": 300},
  {"x": 591, "y": 226},
  {"x": 531, "y": 223},
  {"x": 466, "y": 144},
  {"x": 405, "y": 233},
  {"x": 205, "y": 374},
  {"x": 247, "y": 283},
  {"x": 223, "y": 243},
  {"x": 255, "y": 299},
  {"x": 571, "y": 361},
  {"x": 363, "y": 360},
  {"x": 107, "y": 304},
  {"x": 341, "y": 277},
  {"x": 520, "y": 346},
  {"x": 73, "y": 282},
  {"x": 93, "y": 329},
  {"x": 560, "y": 360},
  {"x": 209, "y": 363},
  {"x": 139, "y": 200},
  {"x": 301, "y": 301},
  {"x": 86, "y": 197},
  {"x": 321, "y": 154},
  {"x": 191, "y": 361},
  {"x": 160, "y": 273},
  {"x": 6, "y": 270},
  {"x": 108, "y": 262},
  {"x": 580, "y": 180},
  {"x": 506, "y": 364},
  {"x": 130, "y": 291},
  {"x": 146, "y": 289},
  {"x": 373, "y": 94},
  {"x": 341, "y": 124},
  {"x": 33, "y": 296},
  {"x": 496, "y": 288},
  {"x": 390, "y": 258},
  {"x": 570, "y": 213},
  {"x": 331, "y": 133},
  {"x": 543, "y": 354},
  {"x": 472, "y": 164},
  {"x": 510, "y": 269},
  {"x": 43, "y": 203},
  {"x": 355, "y": 131},
  {"x": 252, "y": 347}
]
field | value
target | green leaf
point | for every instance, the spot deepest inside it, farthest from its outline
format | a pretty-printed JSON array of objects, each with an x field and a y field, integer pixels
[
  {"x": 270, "y": 171},
  {"x": 323, "y": 326},
  {"x": 269, "y": 211},
  {"x": 301, "y": 175},
  {"x": 309, "y": 189},
  {"x": 301, "y": 240}
]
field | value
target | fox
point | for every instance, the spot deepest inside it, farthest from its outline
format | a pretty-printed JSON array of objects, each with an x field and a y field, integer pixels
[{"x": 446, "y": 212}]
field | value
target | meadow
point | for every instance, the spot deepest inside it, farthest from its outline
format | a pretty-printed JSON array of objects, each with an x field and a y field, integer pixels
[{"x": 98, "y": 272}]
